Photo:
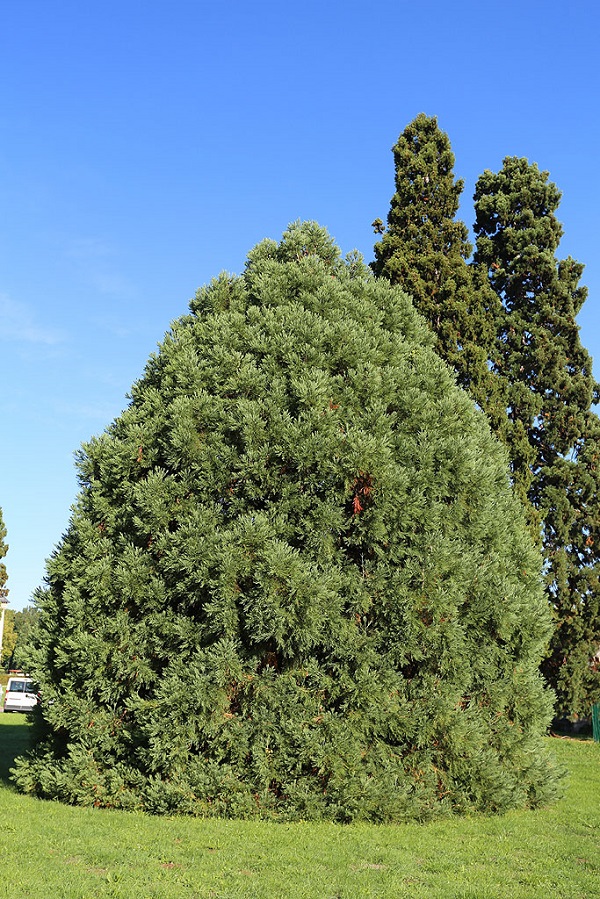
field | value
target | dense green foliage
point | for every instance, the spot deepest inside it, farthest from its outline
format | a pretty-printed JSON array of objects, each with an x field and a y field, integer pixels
[
  {"x": 552, "y": 435},
  {"x": 506, "y": 323},
  {"x": 296, "y": 582}
]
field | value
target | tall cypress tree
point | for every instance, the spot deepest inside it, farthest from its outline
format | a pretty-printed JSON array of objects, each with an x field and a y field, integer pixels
[
  {"x": 551, "y": 434},
  {"x": 424, "y": 249},
  {"x": 296, "y": 582}
]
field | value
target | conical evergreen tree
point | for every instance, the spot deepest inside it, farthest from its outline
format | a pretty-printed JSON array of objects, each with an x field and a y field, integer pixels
[
  {"x": 551, "y": 434},
  {"x": 425, "y": 250},
  {"x": 295, "y": 582}
]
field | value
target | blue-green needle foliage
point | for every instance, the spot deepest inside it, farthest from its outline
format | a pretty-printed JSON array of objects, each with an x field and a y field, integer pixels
[{"x": 295, "y": 583}]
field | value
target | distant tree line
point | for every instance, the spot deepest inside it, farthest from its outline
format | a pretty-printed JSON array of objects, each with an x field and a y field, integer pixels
[
  {"x": 19, "y": 626},
  {"x": 18, "y": 640}
]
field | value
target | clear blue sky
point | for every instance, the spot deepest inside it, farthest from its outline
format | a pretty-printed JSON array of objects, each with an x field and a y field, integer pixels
[{"x": 147, "y": 146}]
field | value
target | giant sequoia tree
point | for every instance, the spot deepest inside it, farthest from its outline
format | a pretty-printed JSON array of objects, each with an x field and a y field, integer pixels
[
  {"x": 295, "y": 582},
  {"x": 552, "y": 435}
]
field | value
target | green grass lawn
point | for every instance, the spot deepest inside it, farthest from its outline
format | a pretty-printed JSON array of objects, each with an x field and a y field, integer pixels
[{"x": 50, "y": 851}]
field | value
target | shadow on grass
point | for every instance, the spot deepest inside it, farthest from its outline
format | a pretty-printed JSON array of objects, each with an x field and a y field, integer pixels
[{"x": 15, "y": 736}]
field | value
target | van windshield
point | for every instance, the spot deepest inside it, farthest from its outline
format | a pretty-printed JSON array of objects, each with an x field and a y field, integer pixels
[{"x": 20, "y": 686}]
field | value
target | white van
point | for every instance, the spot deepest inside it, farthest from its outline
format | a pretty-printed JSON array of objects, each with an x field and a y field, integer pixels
[{"x": 21, "y": 694}]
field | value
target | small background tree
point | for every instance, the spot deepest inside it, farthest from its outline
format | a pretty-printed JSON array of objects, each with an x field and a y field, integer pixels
[{"x": 295, "y": 583}]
